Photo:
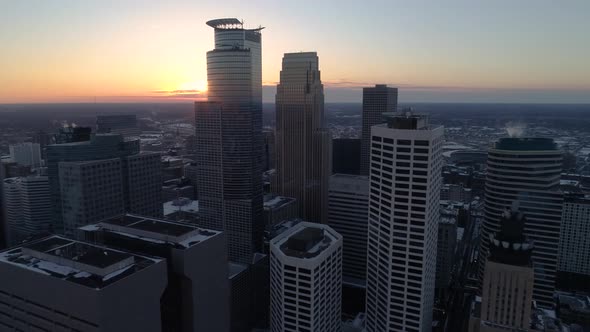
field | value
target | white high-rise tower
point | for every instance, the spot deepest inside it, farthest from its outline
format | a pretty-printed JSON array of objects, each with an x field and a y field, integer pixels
[
  {"x": 306, "y": 279},
  {"x": 405, "y": 175}
]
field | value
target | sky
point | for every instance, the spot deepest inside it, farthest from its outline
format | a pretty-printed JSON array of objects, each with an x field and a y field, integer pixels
[{"x": 533, "y": 51}]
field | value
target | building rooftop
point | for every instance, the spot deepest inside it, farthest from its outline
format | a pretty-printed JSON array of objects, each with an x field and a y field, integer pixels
[
  {"x": 306, "y": 240},
  {"x": 181, "y": 204},
  {"x": 178, "y": 234},
  {"x": 74, "y": 261},
  {"x": 229, "y": 24},
  {"x": 277, "y": 202},
  {"x": 525, "y": 144}
]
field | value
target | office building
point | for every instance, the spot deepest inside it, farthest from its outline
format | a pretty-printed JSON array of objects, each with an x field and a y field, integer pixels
[
  {"x": 125, "y": 125},
  {"x": 306, "y": 279},
  {"x": 405, "y": 178},
  {"x": 573, "y": 262},
  {"x": 228, "y": 139},
  {"x": 137, "y": 187},
  {"x": 142, "y": 184},
  {"x": 90, "y": 191},
  {"x": 455, "y": 193},
  {"x": 196, "y": 297},
  {"x": 28, "y": 207},
  {"x": 346, "y": 156},
  {"x": 507, "y": 292},
  {"x": 303, "y": 156},
  {"x": 527, "y": 171},
  {"x": 3, "y": 226},
  {"x": 348, "y": 209},
  {"x": 445, "y": 249},
  {"x": 26, "y": 154},
  {"x": 177, "y": 188},
  {"x": 376, "y": 101},
  {"x": 57, "y": 284},
  {"x": 278, "y": 209}
]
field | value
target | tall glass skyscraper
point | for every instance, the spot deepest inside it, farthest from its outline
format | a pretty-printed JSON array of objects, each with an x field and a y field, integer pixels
[
  {"x": 303, "y": 155},
  {"x": 526, "y": 171},
  {"x": 229, "y": 141}
]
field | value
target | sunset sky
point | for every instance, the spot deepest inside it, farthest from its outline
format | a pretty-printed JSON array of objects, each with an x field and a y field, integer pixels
[{"x": 448, "y": 51}]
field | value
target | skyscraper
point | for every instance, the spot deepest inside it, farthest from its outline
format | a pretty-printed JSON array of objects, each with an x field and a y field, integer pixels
[
  {"x": 348, "y": 209},
  {"x": 3, "y": 226},
  {"x": 376, "y": 101},
  {"x": 574, "y": 241},
  {"x": 527, "y": 171},
  {"x": 90, "y": 191},
  {"x": 508, "y": 278},
  {"x": 406, "y": 163},
  {"x": 229, "y": 138},
  {"x": 303, "y": 156},
  {"x": 28, "y": 206},
  {"x": 306, "y": 279}
]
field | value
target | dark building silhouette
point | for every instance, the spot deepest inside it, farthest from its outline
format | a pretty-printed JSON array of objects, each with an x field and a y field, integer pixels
[
  {"x": 196, "y": 297},
  {"x": 376, "y": 101},
  {"x": 59, "y": 284},
  {"x": 346, "y": 154},
  {"x": 73, "y": 134}
]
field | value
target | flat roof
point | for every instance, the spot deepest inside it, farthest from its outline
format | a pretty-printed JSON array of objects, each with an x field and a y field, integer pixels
[
  {"x": 526, "y": 144},
  {"x": 75, "y": 261},
  {"x": 277, "y": 202},
  {"x": 306, "y": 240},
  {"x": 153, "y": 230},
  {"x": 182, "y": 204}
]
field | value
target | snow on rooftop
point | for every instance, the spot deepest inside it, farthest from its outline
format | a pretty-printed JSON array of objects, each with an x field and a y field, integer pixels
[{"x": 186, "y": 205}]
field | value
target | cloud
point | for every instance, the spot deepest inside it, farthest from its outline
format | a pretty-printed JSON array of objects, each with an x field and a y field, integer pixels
[{"x": 178, "y": 92}]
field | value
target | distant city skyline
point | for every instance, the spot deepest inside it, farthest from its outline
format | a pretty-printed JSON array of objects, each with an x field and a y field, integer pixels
[{"x": 144, "y": 51}]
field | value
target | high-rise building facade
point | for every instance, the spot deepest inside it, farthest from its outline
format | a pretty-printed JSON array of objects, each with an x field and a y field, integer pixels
[
  {"x": 303, "y": 156},
  {"x": 58, "y": 284},
  {"x": 26, "y": 154},
  {"x": 28, "y": 207},
  {"x": 376, "y": 101},
  {"x": 3, "y": 226},
  {"x": 405, "y": 177},
  {"x": 574, "y": 241},
  {"x": 527, "y": 171},
  {"x": 126, "y": 124},
  {"x": 138, "y": 186},
  {"x": 445, "y": 249},
  {"x": 507, "y": 292},
  {"x": 90, "y": 191},
  {"x": 306, "y": 279},
  {"x": 348, "y": 209},
  {"x": 228, "y": 138}
]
